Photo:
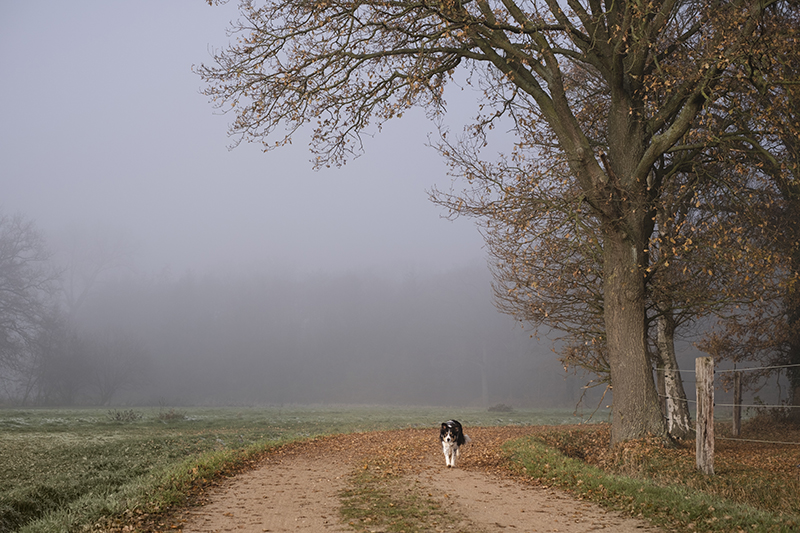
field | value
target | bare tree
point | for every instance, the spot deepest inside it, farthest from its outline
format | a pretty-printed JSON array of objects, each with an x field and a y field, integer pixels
[
  {"x": 86, "y": 256},
  {"x": 26, "y": 283},
  {"x": 62, "y": 363},
  {"x": 120, "y": 361},
  {"x": 343, "y": 65}
]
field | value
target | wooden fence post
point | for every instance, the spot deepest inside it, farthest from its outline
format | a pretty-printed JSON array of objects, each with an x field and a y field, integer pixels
[
  {"x": 704, "y": 367},
  {"x": 737, "y": 403}
]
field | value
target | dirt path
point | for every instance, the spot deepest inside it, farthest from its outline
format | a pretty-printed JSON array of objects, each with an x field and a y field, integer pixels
[{"x": 298, "y": 488}]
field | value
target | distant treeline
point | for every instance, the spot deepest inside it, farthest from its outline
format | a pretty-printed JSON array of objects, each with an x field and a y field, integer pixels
[{"x": 349, "y": 338}]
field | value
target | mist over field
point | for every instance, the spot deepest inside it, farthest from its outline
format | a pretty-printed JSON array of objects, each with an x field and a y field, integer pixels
[
  {"x": 350, "y": 338},
  {"x": 191, "y": 273}
]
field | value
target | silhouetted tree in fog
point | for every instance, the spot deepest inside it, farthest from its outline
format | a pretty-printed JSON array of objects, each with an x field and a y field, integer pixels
[{"x": 26, "y": 283}]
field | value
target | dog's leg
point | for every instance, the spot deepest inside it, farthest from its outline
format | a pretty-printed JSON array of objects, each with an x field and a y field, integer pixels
[
  {"x": 450, "y": 452},
  {"x": 453, "y": 455}
]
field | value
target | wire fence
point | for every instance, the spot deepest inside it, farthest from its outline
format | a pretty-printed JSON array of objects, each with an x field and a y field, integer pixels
[
  {"x": 722, "y": 371},
  {"x": 739, "y": 405},
  {"x": 758, "y": 440}
]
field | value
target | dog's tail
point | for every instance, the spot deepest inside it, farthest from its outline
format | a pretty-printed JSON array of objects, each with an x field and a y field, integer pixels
[{"x": 467, "y": 440}]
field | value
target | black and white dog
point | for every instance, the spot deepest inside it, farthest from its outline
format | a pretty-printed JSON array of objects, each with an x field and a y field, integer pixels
[{"x": 452, "y": 436}]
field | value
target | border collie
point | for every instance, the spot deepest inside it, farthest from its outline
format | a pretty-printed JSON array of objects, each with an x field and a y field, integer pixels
[{"x": 452, "y": 436}]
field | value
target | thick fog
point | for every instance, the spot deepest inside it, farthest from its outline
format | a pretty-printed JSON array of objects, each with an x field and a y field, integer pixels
[
  {"x": 104, "y": 130},
  {"x": 347, "y": 338},
  {"x": 224, "y": 276}
]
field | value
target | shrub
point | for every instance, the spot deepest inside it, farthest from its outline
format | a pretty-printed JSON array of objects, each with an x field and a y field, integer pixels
[
  {"x": 124, "y": 416},
  {"x": 171, "y": 416}
]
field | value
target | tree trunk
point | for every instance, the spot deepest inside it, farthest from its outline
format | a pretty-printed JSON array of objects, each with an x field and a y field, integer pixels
[
  {"x": 661, "y": 386},
  {"x": 679, "y": 423},
  {"x": 792, "y": 304},
  {"x": 737, "y": 403},
  {"x": 636, "y": 411},
  {"x": 793, "y": 349},
  {"x": 484, "y": 379},
  {"x": 792, "y": 296}
]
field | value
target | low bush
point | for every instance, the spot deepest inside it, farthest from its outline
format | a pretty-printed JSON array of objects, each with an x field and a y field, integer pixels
[
  {"x": 124, "y": 416},
  {"x": 171, "y": 415}
]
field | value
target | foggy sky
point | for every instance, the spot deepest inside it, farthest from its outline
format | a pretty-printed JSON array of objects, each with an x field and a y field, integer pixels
[
  {"x": 104, "y": 131},
  {"x": 106, "y": 138},
  {"x": 104, "y": 134}
]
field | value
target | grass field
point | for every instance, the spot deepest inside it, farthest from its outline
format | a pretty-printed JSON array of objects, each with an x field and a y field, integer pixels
[
  {"x": 68, "y": 469},
  {"x": 89, "y": 469}
]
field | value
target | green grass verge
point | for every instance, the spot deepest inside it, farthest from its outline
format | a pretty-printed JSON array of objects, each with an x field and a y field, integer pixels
[{"x": 670, "y": 505}]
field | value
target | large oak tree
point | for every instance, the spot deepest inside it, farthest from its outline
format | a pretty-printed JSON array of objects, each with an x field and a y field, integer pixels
[{"x": 343, "y": 66}]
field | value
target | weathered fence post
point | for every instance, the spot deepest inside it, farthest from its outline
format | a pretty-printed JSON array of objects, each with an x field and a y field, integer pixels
[
  {"x": 737, "y": 403},
  {"x": 704, "y": 367}
]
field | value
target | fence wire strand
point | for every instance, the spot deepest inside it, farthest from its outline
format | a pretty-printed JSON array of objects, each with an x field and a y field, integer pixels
[
  {"x": 661, "y": 369},
  {"x": 755, "y": 368},
  {"x": 755, "y": 405},
  {"x": 759, "y": 441},
  {"x": 688, "y": 400}
]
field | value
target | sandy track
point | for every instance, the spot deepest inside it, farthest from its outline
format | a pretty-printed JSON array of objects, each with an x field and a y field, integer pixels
[{"x": 297, "y": 488}]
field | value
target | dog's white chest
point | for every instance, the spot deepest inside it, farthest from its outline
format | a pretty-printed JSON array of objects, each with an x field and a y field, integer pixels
[{"x": 450, "y": 450}]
